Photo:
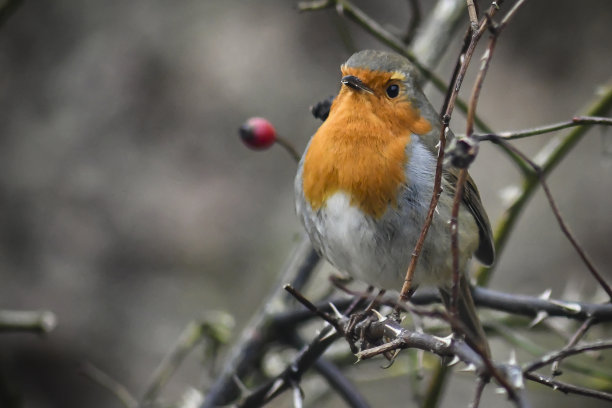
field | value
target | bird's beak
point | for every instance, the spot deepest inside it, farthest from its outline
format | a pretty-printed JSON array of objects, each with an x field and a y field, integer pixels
[{"x": 355, "y": 83}]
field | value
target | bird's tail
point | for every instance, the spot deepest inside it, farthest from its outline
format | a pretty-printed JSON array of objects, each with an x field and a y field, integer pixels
[{"x": 467, "y": 314}]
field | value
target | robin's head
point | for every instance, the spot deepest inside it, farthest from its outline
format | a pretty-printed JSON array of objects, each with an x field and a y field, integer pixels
[{"x": 383, "y": 83}]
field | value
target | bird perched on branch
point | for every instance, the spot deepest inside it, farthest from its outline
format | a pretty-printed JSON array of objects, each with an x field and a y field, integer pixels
[{"x": 365, "y": 182}]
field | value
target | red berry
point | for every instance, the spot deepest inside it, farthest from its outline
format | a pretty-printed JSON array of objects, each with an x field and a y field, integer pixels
[{"x": 258, "y": 133}]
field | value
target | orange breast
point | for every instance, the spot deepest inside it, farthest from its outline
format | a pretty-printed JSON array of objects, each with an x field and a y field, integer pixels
[{"x": 360, "y": 150}]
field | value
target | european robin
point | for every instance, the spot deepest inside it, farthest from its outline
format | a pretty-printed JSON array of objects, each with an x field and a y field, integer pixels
[{"x": 365, "y": 182}]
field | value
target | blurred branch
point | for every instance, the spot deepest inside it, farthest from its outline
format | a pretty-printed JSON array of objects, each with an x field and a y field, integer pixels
[
  {"x": 215, "y": 327},
  {"x": 105, "y": 381},
  {"x": 549, "y": 156},
  {"x": 562, "y": 224},
  {"x": 340, "y": 384},
  {"x": 34, "y": 321},
  {"x": 7, "y": 9},
  {"x": 259, "y": 333}
]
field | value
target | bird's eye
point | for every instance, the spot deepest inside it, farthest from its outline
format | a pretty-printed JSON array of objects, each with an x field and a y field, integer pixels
[{"x": 393, "y": 90}]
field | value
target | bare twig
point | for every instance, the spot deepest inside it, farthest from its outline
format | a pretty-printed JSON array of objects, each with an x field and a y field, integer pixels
[
  {"x": 370, "y": 25},
  {"x": 471, "y": 114},
  {"x": 192, "y": 335},
  {"x": 481, "y": 383},
  {"x": 566, "y": 352},
  {"x": 259, "y": 331},
  {"x": 305, "y": 359},
  {"x": 105, "y": 381},
  {"x": 568, "y": 388},
  {"x": 550, "y": 155},
  {"x": 584, "y": 327},
  {"x": 540, "y": 130},
  {"x": 473, "y": 14},
  {"x": 564, "y": 228}
]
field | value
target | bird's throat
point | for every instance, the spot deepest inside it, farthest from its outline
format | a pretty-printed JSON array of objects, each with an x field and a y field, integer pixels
[{"x": 359, "y": 155}]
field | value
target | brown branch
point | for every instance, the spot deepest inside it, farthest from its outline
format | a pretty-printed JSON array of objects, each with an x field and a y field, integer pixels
[
  {"x": 480, "y": 385},
  {"x": 471, "y": 115}
]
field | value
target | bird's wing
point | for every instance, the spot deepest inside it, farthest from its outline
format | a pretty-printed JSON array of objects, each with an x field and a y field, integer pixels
[{"x": 471, "y": 198}]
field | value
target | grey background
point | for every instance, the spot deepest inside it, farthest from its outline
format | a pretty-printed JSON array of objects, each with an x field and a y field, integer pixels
[{"x": 129, "y": 206}]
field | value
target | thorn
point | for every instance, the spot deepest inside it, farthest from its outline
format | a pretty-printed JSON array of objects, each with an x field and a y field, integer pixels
[
  {"x": 337, "y": 313},
  {"x": 540, "y": 317},
  {"x": 331, "y": 333},
  {"x": 545, "y": 295},
  {"x": 391, "y": 359},
  {"x": 468, "y": 368},
  {"x": 446, "y": 340},
  {"x": 275, "y": 387},
  {"x": 378, "y": 315},
  {"x": 453, "y": 362},
  {"x": 570, "y": 306},
  {"x": 512, "y": 360},
  {"x": 243, "y": 388}
]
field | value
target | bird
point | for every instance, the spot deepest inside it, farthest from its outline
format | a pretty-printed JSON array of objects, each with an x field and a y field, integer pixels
[{"x": 365, "y": 182}]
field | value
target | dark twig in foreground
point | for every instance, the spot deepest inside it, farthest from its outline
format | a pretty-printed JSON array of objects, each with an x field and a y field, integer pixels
[{"x": 568, "y": 388}]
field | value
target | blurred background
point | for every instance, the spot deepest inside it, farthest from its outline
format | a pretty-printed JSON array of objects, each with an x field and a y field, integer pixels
[{"x": 129, "y": 206}]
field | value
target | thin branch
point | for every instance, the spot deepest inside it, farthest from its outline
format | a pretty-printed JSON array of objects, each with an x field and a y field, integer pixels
[
  {"x": 540, "y": 130},
  {"x": 562, "y": 224},
  {"x": 471, "y": 115},
  {"x": 305, "y": 359},
  {"x": 551, "y": 155},
  {"x": 256, "y": 335},
  {"x": 566, "y": 352},
  {"x": 472, "y": 13},
  {"x": 481, "y": 383},
  {"x": 370, "y": 25},
  {"x": 193, "y": 334},
  {"x": 568, "y": 388},
  {"x": 105, "y": 381},
  {"x": 578, "y": 335}
]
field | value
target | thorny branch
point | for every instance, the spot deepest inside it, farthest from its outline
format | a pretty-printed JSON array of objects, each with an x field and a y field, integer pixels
[{"x": 384, "y": 36}]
